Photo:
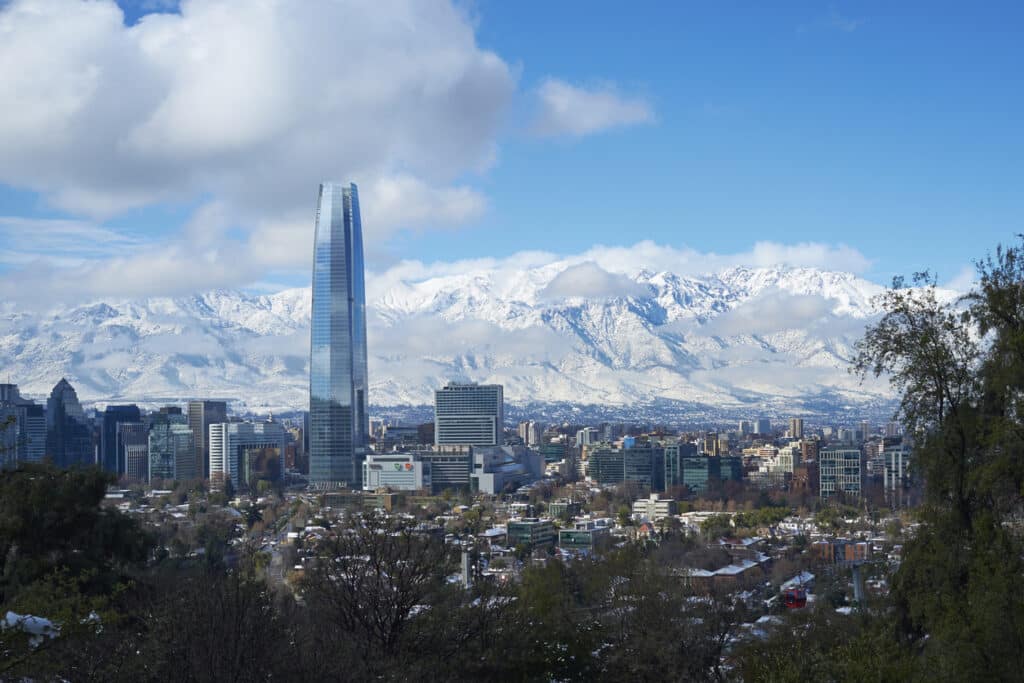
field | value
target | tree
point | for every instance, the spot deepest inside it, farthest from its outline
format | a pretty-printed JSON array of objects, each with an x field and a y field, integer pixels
[
  {"x": 51, "y": 520},
  {"x": 955, "y": 592},
  {"x": 369, "y": 587}
]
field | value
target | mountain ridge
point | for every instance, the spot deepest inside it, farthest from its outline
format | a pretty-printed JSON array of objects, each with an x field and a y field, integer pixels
[{"x": 560, "y": 333}]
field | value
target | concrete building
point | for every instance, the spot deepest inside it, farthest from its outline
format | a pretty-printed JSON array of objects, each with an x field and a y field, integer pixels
[
  {"x": 587, "y": 436},
  {"x": 469, "y": 414},
  {"x": 796, "y": 427},
  {"x": 530, "y": 432},
  {"x": 654, "y": 507},
  {"x": 450, "y": 466},
  {"x": 500, "y": 468},
  {"x": 839, "y": 470},
  {"x": 246, "y": 453},
  {"x": 398, "y": 471}
]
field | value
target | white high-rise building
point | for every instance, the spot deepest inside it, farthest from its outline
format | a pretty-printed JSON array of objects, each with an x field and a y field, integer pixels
[
  {"x": 469, "y": 414},
  {"x": 530, "y": 432}
]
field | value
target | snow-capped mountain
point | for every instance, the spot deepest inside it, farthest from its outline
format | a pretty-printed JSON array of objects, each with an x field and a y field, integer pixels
[{"x": 565, "y": 331}]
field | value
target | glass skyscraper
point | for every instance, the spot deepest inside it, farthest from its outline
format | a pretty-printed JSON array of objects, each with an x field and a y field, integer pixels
[{"x": 339, "y": 424}]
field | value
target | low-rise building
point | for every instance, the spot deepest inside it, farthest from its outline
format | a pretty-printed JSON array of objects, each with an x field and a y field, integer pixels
[
  {"x": 531, "y": 532},
  {"x": 655, "y": 507},
  {"x": 398, "y": 471}
]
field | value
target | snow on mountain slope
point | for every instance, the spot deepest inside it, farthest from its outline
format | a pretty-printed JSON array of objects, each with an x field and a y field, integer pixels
[{"x": 778, "y": 336}]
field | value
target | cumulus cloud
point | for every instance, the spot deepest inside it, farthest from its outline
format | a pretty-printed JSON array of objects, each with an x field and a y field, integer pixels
[
  {"x": 590, "y": 281},
  {"x": 567, "y": 109},
  {"x": 247, "y": 109},
  {"x": 252, "y": 106}
]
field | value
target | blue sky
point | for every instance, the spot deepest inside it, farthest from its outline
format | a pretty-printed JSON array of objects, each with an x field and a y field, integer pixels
[{"x": 891, "y": 128}]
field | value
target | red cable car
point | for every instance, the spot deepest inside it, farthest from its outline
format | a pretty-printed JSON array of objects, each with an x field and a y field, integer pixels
[{"x": 794, "y": 598}]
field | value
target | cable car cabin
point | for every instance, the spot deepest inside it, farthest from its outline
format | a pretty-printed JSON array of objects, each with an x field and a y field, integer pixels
[{"x": 794, "y": 598}]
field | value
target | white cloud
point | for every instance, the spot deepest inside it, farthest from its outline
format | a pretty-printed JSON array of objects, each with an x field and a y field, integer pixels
[
  {"x": 567, "y": 109},
  {"x": 68, "y": 242},
  {"x": 964, "y": 281},
  {"x": 684, "y": 260},
  {"x": 588, "y": 280},
  {"x": 250, "y": 106},
  {"x": 246, "y": 108},
  {"x": 772, "y": 311}
]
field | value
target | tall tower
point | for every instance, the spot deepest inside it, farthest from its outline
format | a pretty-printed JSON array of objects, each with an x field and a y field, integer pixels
[
  {"x": 202, "y": 414},
  {"x": 339, "y": 424},
  {"x": 68, "y": 435}
]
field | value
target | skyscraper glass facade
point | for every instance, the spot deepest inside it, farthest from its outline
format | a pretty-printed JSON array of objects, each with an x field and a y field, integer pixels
[
  {"x": 339, "y": 424},
  {"x": 68, "y": 434},
  {"x": 113, "y": 416}
]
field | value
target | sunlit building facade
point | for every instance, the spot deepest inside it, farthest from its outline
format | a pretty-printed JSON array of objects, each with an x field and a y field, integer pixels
[{"x": 339, "y": 424}]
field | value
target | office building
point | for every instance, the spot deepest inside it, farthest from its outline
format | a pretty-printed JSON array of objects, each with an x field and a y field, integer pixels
[
  {"x": 246, "y": 453},
  {"x": 531, "y": 532},
  {"x": 112, "y": 416},
  {"x": 746, "y": 427},
  {"x": 132, "y": 448},
  {"x": 585, "y": 535},
  {"x": 763, "y": 426},
  {"x": 171, "y": 448},
  {"x": 587, "y": 436},
  {"x": 673, "y": 462},
  {"x": 339, "y": 426},
  {"x": 796, "y": 427},
  {"x": 469, "y": 414},
  {"x": 202, "y": 414},
  {"x": 555, "y": 450},
  {"x": 398, "y": 471},
  {"x": 654, "y": 507},
  {"x": 497, "y": 469},
  {"x": 530, "y": 432},
  {"x": 398, "y": 435},
  {"x": 450, "y": 466},
  {"x": 22, "y": 428},
  {"x": 644, "y": 465},
  {"x": 839, "y": 471},
  {"x": 700, "y": 470},
  {"x": 68, "y": 433}
]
